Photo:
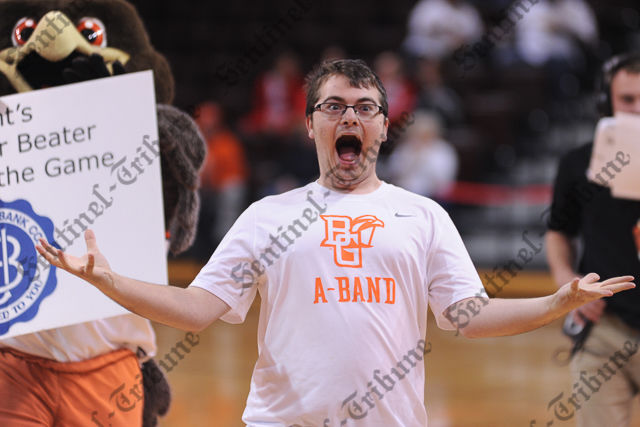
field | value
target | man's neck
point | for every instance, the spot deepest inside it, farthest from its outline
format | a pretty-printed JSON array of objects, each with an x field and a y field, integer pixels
[{"x": 368, "y": 185}]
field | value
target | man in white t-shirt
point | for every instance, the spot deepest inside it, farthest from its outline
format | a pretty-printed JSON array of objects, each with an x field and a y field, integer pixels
[{"x": 345, "y": 267}]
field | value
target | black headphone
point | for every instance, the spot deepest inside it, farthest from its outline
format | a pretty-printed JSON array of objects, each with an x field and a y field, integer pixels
[{"x": 609, "y": 70}]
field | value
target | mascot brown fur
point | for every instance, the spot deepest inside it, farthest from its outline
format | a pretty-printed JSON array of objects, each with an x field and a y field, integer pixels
[
  {"x": 47, "y": 43},
  {"x": 182, "y": 146}
]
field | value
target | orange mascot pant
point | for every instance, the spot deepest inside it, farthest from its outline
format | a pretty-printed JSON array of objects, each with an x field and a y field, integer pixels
[{"x": 105, "y": 391}]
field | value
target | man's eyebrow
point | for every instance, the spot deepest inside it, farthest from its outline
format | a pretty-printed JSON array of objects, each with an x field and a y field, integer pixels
[
  {"x": 340, "y": 99},
  {"x": 334, "y": 98}
]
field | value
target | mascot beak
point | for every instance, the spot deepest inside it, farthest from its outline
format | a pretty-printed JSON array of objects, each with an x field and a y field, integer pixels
[{"x": 54, "y": 39}]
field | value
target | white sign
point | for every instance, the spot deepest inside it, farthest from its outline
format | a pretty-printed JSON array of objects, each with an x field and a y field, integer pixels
[
  {"x": 615, "y": 155},
  {"x": 74, "y": 157},
  {"x": 627, "y": 181}
]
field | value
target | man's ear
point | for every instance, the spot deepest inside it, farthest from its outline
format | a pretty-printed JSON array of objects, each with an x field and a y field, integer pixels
[
  {"x": 309, "y": 123},
  {"x": 385, "y": 128}
]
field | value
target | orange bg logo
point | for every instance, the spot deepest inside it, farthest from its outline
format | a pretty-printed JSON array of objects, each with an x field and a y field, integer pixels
[{"x": 348, "y": 237}]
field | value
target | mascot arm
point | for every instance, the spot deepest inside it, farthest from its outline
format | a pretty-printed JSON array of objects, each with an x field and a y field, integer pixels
[{"x": 182, "y": 152}]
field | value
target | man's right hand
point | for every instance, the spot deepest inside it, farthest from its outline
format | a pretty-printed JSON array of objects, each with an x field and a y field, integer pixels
[
  {"x": 189, "y": 309},
  {"x": 92, "y": 267}
]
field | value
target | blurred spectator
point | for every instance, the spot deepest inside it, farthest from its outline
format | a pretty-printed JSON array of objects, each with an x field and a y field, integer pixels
[
  {"x": 555, "y": 29},
  {"x": 439, "y": 27},
  {"x": 423, "y": 162},
  {"x": 434, "y": 95},
  {"x": 278, "y": 99},
  {"x": 556, "y": 35},
  {"x": 400, "y": 93},
  {"x": 223, "y": 177},
  {"x": 276, "y": 119},
  {"x": 296, "y": 165}
]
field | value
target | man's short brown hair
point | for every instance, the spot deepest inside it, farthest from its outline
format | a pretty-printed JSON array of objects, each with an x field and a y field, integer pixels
[{"x": 356, "y": 70}]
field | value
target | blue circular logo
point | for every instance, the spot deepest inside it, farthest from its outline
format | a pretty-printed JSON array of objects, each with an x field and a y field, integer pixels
[{"x": 26, "y": 278}]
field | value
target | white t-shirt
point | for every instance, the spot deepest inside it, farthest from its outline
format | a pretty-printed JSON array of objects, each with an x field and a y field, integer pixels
[
  {"x": 426, "y": 168},
  {"x": 84, "y": 341},
  {"x": 344, "y": 281},
  {"x": 555, "y": 30},
  {"x": 437, "y": 28}
]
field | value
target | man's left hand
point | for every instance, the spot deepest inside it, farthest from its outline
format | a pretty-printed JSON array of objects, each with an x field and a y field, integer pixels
[{"x": 581, "y": 291}]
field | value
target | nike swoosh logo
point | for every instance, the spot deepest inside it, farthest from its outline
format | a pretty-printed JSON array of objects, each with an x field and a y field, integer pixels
[{"x": 398, "y": 215}]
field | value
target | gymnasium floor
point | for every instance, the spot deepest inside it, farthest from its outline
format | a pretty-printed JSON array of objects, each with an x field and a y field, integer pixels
[{"x": 470, "y": 383}]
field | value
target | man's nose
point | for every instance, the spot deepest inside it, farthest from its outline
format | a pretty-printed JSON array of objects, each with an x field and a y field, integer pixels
[{"x": 350, "y": 116}]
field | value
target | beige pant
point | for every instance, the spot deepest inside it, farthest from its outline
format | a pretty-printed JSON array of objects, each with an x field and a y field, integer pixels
[{"x": 606, "y": 374}]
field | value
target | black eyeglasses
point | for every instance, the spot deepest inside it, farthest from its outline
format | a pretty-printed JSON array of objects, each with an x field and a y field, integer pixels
[{"x": 337, "y": 109}]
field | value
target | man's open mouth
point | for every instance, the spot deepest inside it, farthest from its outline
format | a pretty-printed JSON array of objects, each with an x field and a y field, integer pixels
[{"x": 348, "y": 148}]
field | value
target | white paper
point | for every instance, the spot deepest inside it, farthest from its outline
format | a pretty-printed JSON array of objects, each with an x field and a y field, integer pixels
[
  {"x": 627, "y": 180},
  {"x": 615, "y": 156},
  {"x": 88, "y": 158},
  {"x": 604, "y": 149}
]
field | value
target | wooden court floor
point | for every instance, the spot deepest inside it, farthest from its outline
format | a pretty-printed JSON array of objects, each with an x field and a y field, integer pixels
[{"x": 470, "y": 383}]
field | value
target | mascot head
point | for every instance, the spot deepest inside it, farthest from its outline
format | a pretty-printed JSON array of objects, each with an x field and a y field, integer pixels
[
  {"x": 46, "y": 43},
  {"x": 39, "y": 39}
]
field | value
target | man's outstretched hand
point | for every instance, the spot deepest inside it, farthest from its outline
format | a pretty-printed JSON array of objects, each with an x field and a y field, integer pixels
[
  {"x": 92, "y": 266},
  {"x": 189, "y": 309},
  {"x": 502, "y": 317},
  {"x": 581, "y": 291}
]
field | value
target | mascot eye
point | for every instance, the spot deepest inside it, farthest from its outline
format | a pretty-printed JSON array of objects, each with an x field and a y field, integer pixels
[
  {"x": 22, "y": 31},
  {"x": 94, "y": 31}
]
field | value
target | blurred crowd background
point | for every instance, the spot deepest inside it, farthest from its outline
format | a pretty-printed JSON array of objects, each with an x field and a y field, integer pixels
[{"x": 484, "y": 97}]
